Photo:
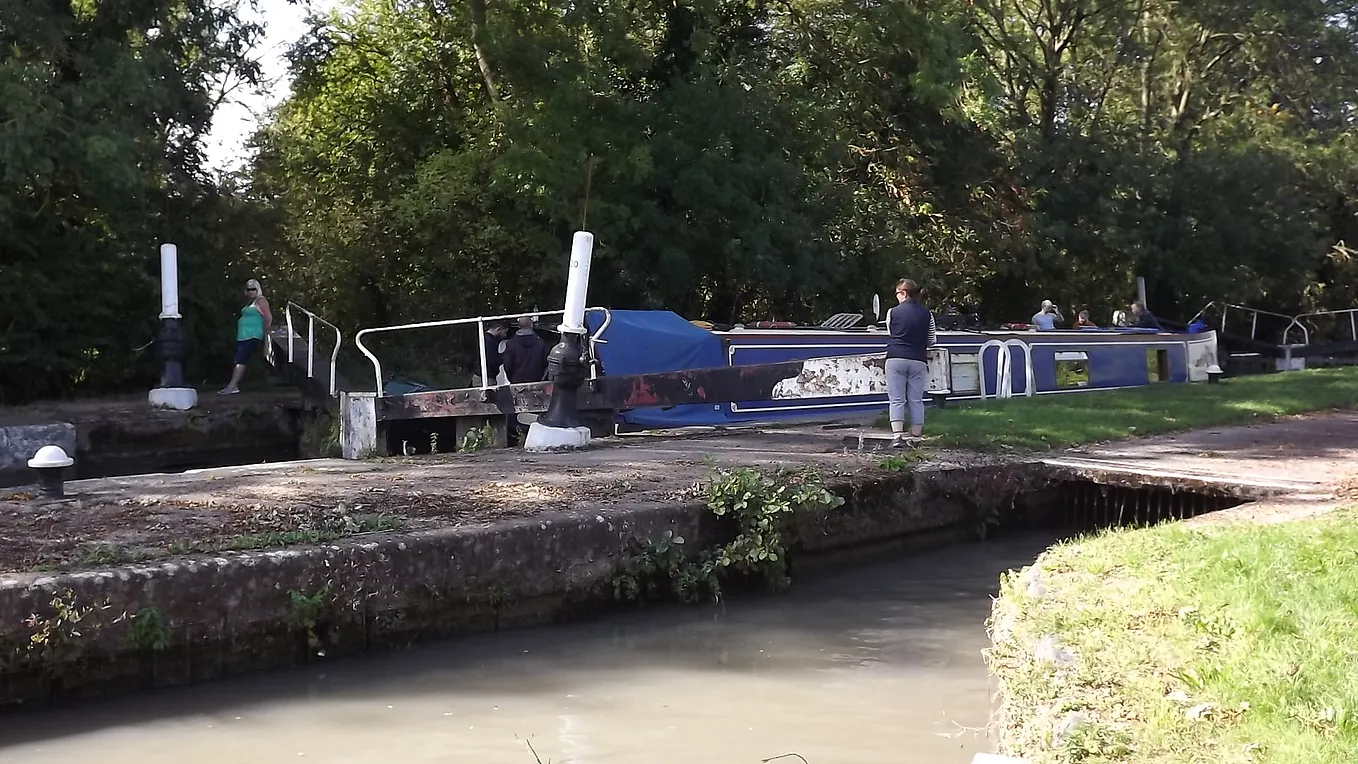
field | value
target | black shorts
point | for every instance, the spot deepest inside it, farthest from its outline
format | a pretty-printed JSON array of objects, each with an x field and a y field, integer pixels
[{"x": 245, "y": 349}]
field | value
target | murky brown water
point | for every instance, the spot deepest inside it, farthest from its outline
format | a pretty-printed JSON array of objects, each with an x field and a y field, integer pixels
[{"x": 881, "y": 664}]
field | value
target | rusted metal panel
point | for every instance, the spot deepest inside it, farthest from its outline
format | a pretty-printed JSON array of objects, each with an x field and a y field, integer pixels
[{"x": 815, "y": 378}]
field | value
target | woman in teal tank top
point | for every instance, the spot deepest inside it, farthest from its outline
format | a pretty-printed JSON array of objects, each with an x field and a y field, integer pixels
[{"x": 251, "y": 329}]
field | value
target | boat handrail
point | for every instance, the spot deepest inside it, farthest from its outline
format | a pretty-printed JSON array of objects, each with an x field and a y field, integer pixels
[
  {"x": 480, "y": 321},
  {"x": 1004, "y": 383},
  {"x": 312, "y": 320}
]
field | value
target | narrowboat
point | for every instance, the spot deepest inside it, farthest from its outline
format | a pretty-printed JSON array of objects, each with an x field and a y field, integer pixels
[{"x": 967, "y": 363}]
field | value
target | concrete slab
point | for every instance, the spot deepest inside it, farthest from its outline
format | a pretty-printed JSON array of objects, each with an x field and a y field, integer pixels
[
  {"x": 1305, "y": 453},
  {"x": 1302, "y": 459}
]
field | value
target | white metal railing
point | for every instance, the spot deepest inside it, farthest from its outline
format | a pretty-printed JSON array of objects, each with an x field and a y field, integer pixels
[
  {"x": 1352, "y": 313},
  {"x": 312, "y": 320},
  {"x": 1004, "y": 379},
  {"x": 1294, "y": 322},
  {"x": 1253, "y": 314},
  {"x": 480, "y": 321}
]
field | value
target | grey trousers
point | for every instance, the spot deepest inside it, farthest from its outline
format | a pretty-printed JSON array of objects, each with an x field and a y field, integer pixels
[{"x": 905, "y": 383}]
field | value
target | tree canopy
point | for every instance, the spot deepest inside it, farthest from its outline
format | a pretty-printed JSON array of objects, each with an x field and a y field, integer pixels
[{"x": 736, "y": 160}]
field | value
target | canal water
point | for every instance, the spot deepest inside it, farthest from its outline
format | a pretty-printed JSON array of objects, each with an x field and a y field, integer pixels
[{"x": 880, "y": 664}]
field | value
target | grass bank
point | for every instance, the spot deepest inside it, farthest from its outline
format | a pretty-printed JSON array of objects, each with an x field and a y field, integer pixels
[
  {"x": 1058, "y": 421},
  {"x": 1217, "y": 643}
]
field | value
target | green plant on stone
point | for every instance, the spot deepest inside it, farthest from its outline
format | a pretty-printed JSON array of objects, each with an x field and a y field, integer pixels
[
  {"x": 305, "y": 610},
  {"x": 902, "y": 462},
  {"x": 321, "y": 435},
  {"x": 106, "y": 554},
  {"x": 433, "y": 443},
  {"x": 662, "y": 564},
  {"x": 53, "y": 639},
  {"x": 477, "y": 439},
  {"x": 149, "y": 631},
  {"x": 763, "y": 507}
]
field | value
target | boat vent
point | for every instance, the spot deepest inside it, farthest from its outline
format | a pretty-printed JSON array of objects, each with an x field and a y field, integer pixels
[{"x": 842, "y": 321}]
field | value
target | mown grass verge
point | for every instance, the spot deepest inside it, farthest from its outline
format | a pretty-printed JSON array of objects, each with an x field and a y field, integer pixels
[
  {"x": 1059, "y": 421},
  {"x": 1219, "y": 643}
]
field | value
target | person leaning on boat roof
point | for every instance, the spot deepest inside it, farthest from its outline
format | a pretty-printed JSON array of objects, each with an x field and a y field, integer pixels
[
  {"x": 1143, "y": 318},
  {"x": 911, "y": 332},
  {"x": 1045, "y": 319}
]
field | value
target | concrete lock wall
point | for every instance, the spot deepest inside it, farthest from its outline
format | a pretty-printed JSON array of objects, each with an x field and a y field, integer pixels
[{"x": 203, "y": 617}]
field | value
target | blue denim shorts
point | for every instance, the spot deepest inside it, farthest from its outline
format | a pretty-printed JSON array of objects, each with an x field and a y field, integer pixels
[{"x": 245, "y": 349}]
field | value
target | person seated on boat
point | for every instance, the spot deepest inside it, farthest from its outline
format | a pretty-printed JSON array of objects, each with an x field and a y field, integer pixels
[
  {"x": 1045, "y": 319},
  {"x": 912, "y": 332},
  {"x": 1083, "y": 321},
  {"x": 1120, "y": 318},
  {"x": 525, "y": 357},
  {"x": 495, "y": 333},
  {"x": 1143, "y": 318}
]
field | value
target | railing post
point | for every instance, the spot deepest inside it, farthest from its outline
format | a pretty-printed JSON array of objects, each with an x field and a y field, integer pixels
[
  {"x": 287, "y": 314},
  {"x": 310, "y": 346},
  {"x": 485, "y": 362},
  {"x": 1353, "y": 325},
  {"x": 334, "y": 358}
]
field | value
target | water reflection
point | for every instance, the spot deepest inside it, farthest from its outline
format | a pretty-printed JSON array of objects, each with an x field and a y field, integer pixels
[{"x": 878, "y": 665}]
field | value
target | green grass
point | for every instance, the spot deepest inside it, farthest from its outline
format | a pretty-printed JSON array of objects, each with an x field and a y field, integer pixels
[
  {"x": 1058, "y": 421},
  {"x": 1228, "y": 643}
]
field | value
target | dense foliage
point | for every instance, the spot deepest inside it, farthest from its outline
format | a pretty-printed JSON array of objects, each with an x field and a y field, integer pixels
[
  {"x": 736, "y": 159},
  {"x": 102, "y": 109}
]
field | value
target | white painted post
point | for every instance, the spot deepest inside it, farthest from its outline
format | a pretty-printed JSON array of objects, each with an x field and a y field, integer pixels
[
  {"x": 169, "y": 281},
  {"x": 577, "y": 282},
  {"x": 171, "y": 392},
  {"x": 560, "y": 428}
]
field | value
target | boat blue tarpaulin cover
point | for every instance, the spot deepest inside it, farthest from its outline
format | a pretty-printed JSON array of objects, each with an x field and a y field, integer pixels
[{"x": 648, "y": 341}]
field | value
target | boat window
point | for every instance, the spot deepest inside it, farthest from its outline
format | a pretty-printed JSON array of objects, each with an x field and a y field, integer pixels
[
  {"x": 966, "y": 375},
  {"x": 1157, "y": 365},
  {"x": 1072, "y": 370}
]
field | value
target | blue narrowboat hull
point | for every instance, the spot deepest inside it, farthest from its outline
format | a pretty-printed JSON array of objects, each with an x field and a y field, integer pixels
[
  {"x": 1061, "y": 362},
  {"x": 965, "y": 364}
]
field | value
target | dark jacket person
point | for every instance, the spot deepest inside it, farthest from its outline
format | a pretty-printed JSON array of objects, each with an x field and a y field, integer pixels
[
  {"x": 491, "y": 339},
  {"x": 1144, "y": 318},
  {"x": 525, "y": 356},
  {"x": 911, "y": 331}
]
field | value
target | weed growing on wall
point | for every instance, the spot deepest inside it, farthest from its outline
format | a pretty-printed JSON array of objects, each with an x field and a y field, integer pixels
[
  {"x": 477, "y": 439},
  {"x": 763, "y": 507}
]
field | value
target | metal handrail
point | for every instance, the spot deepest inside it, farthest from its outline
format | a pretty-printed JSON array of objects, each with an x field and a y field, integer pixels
[
  {"x": 1352, "y": 313},
  {"x": 1255, "y": 313},
  {"x": 480, "y": 322},
  {"x": 1004, "y": 384},
  {"x": 312, "y": 319}
]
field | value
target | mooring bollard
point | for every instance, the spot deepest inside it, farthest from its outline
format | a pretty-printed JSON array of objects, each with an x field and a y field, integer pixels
[
  {"x": 1213, "y": 374},
  {"x": 50, "y": 462}
]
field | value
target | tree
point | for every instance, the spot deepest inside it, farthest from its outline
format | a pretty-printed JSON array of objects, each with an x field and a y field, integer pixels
[{"x": 102, "y": 109}]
